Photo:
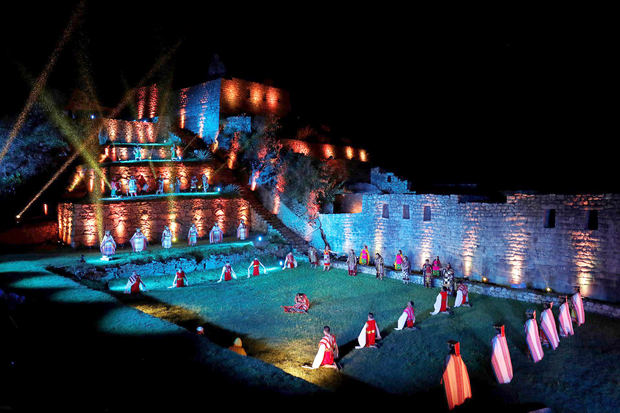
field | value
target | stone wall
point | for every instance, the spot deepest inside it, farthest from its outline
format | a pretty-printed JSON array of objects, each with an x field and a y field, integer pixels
[
  {"x": 82, "y": 225},
  {"x": 325, "y": 150},
  {"x": 388, "y": 182},
  {"x": 508, "y": 243}
]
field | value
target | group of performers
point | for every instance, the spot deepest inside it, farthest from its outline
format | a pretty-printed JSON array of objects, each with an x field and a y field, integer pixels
[
  {"x": 140, "y": 186},
  {"x": 139, "y": 241}
]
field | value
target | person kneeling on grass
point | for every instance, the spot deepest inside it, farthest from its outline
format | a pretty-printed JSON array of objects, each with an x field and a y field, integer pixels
[
  {"x": 302, "y": 304},
  {"x": 180, "y": 279},
  {"x": 369, "y": 333},
  {"x": 227, "y": 273},
  {"x": 255, "y": 265},
  {"x": 328, "y": 352},
  {"x": 289, "y": 261},
  {"x": 462, "y": 295},
  {"x": 441, "y": 302},
  {"x": 134, "y": 284},
  {"x": 407, "y": 317}
]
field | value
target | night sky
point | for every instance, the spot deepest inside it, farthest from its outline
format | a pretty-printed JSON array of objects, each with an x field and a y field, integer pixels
[{"x": 512, "y": 101}]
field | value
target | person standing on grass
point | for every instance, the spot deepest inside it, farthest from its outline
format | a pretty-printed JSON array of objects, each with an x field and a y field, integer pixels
[
  {"x": 407, "y": 318},
  {"x": 548, "y": 329},
  {"x": 448, "y": 279},
  {"x": 328, "y": 351},
  {"x": 406, "y": 269},
  {"x": 313, "y": 257},
  {"x": 326, "y": 259},
  {"x": 579, "y": 315},
  {"x": 242, "y": 231},
  {"x": 427, "y": 272},
  {"x": 352, "y": 263},
  {"x": 227, "y": 273},
  {"x": 370, "y": 333},
  {"x": 108, "y": 246},
  {"x": 364, "y": 256},
  {"x": 255, "y": 265},
  {"x": 134, "y": 284},
  {"x": 180, "y": 279},
  {"x": 398, "y": 261},
  {"x": 138, "y": 241},
  {"x": 436, "y": 267},
  {"x": 215, "y": 235},
  {"x": 379, "y": 266},
  {"x": 455, "y": 377},
  {"x": 166, "y": 237},
  {"x": 500, "y": 356},
  {"x": 532, "y": 337},
  {"x": 566, "y": 323}
]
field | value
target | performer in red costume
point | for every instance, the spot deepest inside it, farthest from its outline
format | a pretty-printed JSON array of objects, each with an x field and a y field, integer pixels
[
  {"x": 134, "y": 284},
  {"x": 302, "y": 304},
  {"x": 441, "y": 302},
  {"x": 532, "y": 337},
  {"x": 227, "y": 273},
  {"x": 328, "y": 351},
  {"x": 256, "y": 264},
  {"x": 370, "y": 333},
  {"x": 455, "y": 377},
  {"x": 462, "y": 295},
  {"x": 180, "y": 279},
  {"x": 500, "y": 356},
  {"x": 407, "y": 318},
  {"x": 327, "y": 264},
  {"x": 289, "y": 261}
]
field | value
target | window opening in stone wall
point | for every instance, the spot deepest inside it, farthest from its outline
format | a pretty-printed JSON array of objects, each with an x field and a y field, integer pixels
[
  {"x": 592, "y": 220},
  {"x": 386, "y": 211},
  {"x": 247, "y": 94},
  {"x": 550, "y": 218},
  {"x": 427, "y": 213},
  {"x": 405, "y": 211},
  {"x": 389, "y": 178}
]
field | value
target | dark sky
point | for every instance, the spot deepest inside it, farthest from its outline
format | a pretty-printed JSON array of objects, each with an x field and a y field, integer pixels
[{"x": 501, "y": 98}]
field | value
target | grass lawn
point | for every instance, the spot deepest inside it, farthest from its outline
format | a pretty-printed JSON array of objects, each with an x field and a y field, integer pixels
[{"x": 579, "y": 376}]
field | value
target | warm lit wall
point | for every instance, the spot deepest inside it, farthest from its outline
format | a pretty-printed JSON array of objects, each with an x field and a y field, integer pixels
[
  {"x": 122, "y": 131},
  {"x": 325, "y": 150},
  {"x": 80, "y": 227},
  {"x": 242, "y": 96}
]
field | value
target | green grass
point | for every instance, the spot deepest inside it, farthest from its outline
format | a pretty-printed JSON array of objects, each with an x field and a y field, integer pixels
[{"x": 580, "y": 375}]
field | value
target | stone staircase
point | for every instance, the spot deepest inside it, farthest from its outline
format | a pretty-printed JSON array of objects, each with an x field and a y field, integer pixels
[{"x": 273, "y": 222}]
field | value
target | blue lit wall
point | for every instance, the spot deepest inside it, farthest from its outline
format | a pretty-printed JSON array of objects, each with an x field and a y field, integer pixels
[{"x": 199, "y": 109}]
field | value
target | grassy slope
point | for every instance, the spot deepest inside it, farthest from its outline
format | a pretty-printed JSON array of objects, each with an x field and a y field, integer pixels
[{"x": 579, "y": 375}]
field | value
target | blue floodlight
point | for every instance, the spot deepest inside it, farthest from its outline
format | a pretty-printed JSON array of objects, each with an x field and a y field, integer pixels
[
  {"x": 281, "y": 263},
  {"x": 260, "y": 238}
]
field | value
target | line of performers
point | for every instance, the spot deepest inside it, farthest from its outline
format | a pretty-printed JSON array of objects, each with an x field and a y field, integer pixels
[
  {"x": 455, "y": 377},
  {"x": 139, "y": 241},
  {"x": 140, "y": 186}
]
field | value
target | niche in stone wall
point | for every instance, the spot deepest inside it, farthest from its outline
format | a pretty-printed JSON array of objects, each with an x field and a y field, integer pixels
[
  {"x": 592, "y": 220},
  {"x": 405, "y": 211},
  {"x": 386, "y": 211},
  {"x": 550, "y": 218},
  {"x": 427, "y": 213}
]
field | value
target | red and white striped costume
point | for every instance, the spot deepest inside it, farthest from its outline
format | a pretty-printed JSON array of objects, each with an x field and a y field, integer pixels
[
  {"x": 302, "y": 304},
  {"x": 580, "y": 315},
  {"x": 533, "y": 339},
  {"x": 566, "y": 323},
  {"x": 500, "y": 358},
  {"x": 407, "y": 317},
  {"x": 456, "y": 379},
  {"x": 549, "y": 329},
  {"x": 326, "y": 259},
  {"x": 108, "y": 245},
  {"x": 138, "y": 241},
  {"x": 215, "y": 235},
  {"x": 325, "y": 354}
]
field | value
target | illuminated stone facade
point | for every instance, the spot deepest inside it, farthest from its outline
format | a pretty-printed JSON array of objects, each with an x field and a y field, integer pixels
[
  {"x": 82, "y": 224},
  {"x": 509, "y": 243}
]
